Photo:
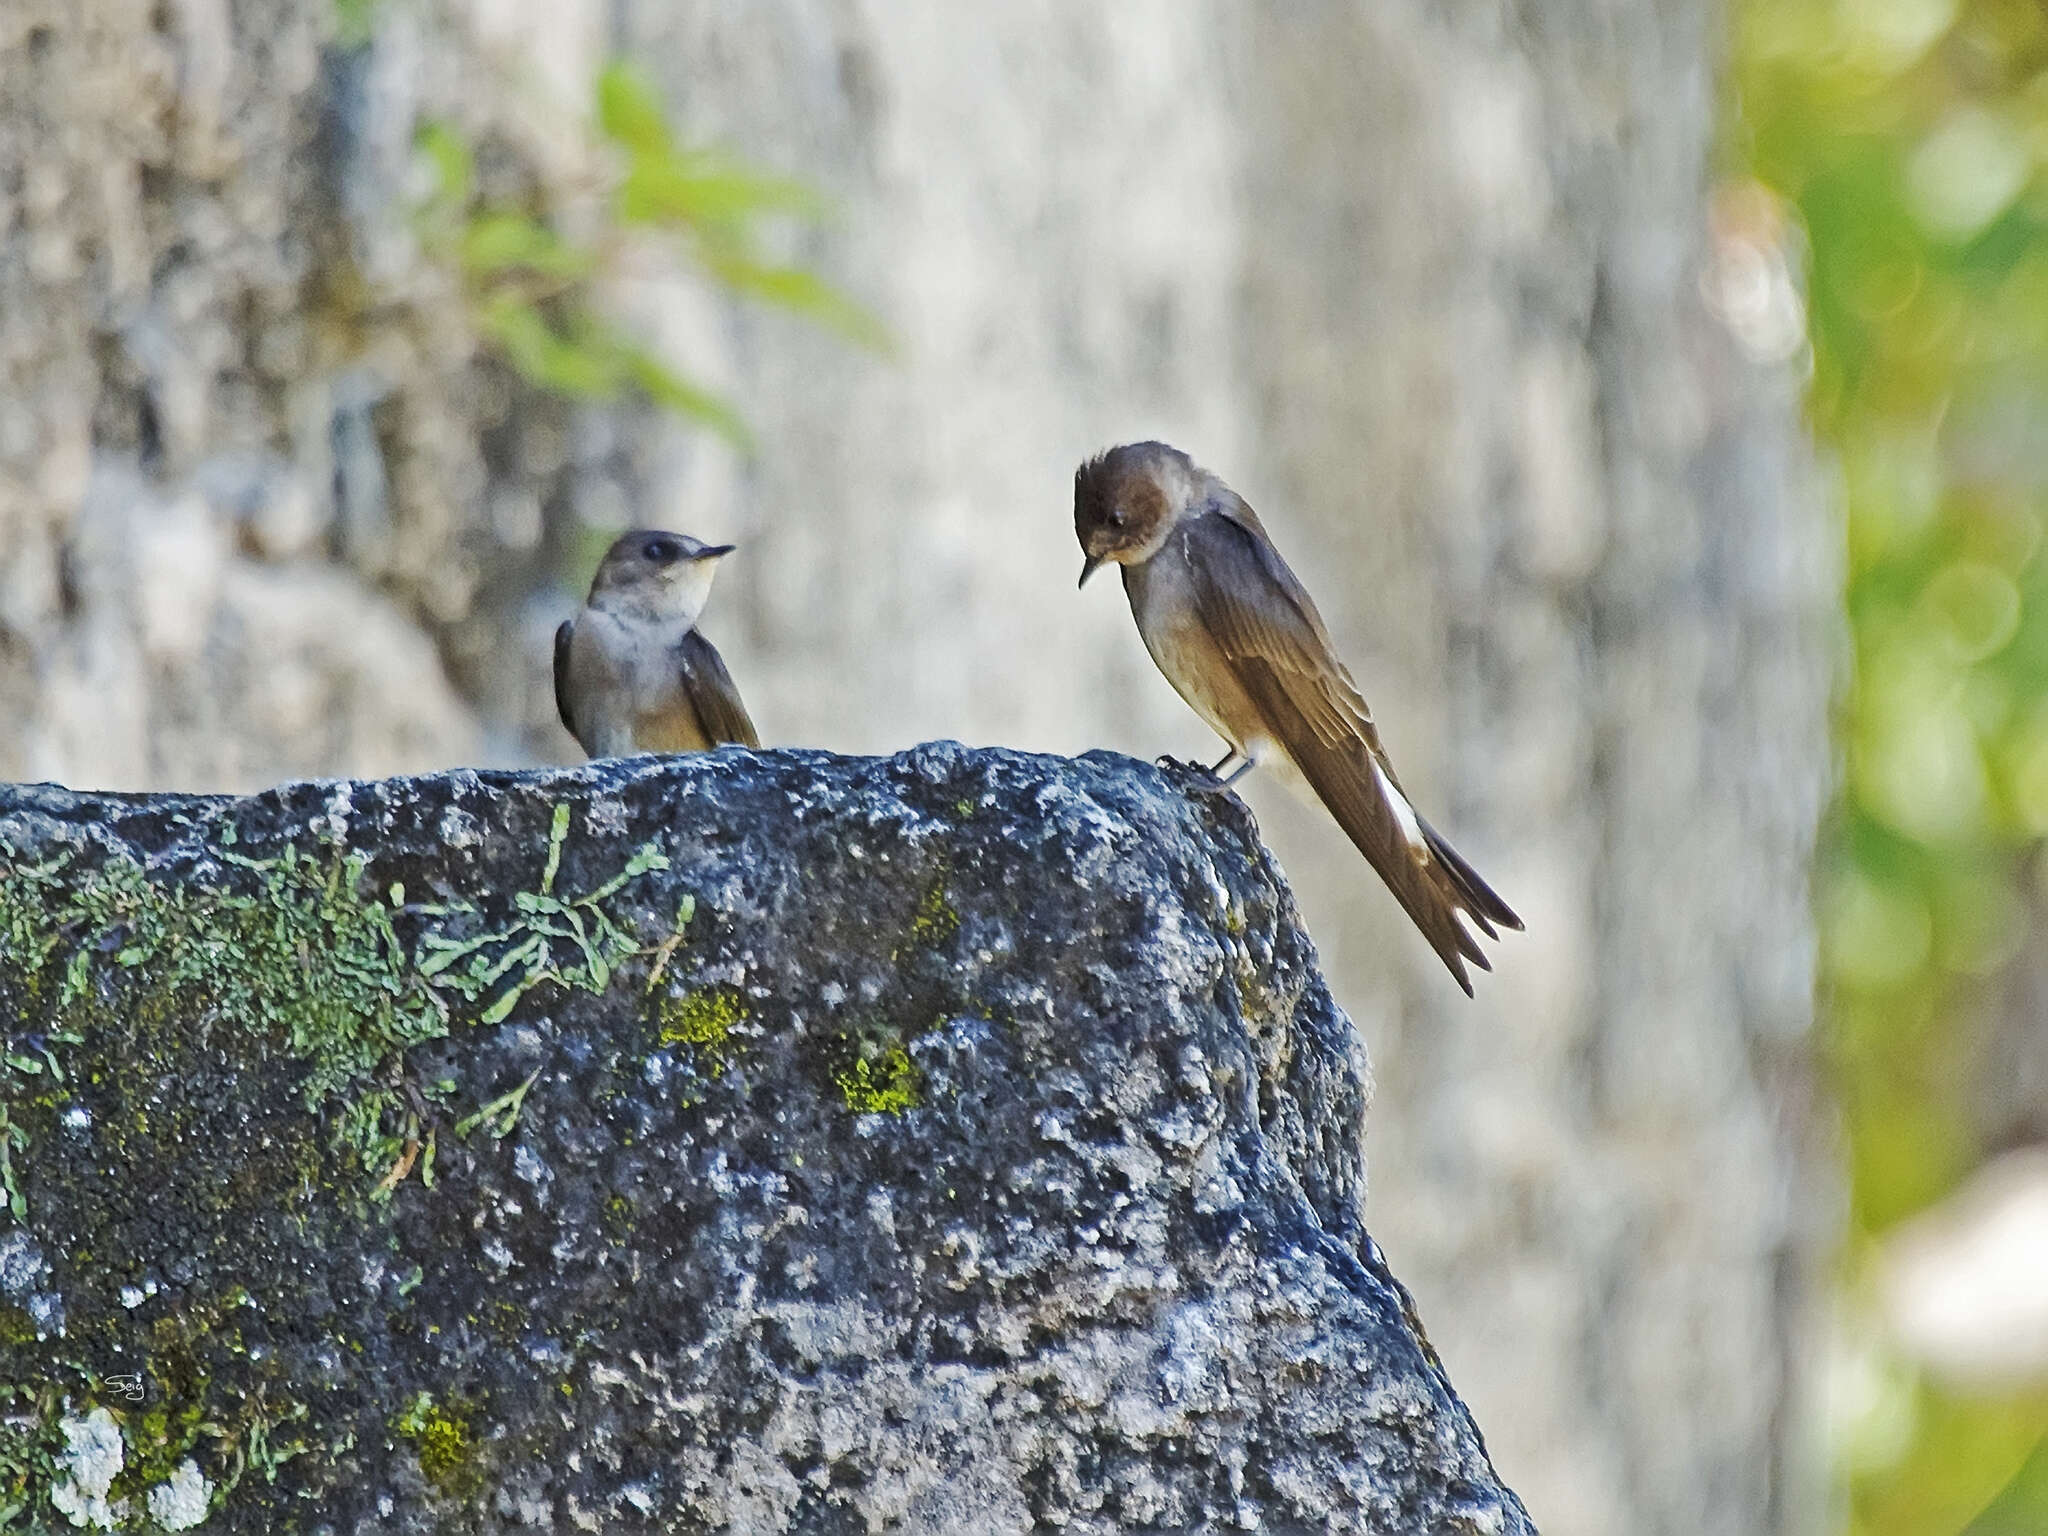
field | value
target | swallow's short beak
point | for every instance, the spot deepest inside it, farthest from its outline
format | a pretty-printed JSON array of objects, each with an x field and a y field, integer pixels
[
  {"x": 1089, "y": 567},
  {"x": 713, "y": 551}
]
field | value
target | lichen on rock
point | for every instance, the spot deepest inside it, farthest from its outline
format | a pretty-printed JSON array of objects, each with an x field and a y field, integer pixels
[
  {"x": 183, "y": 1501},
  {"x": 741, "y": 1141}
]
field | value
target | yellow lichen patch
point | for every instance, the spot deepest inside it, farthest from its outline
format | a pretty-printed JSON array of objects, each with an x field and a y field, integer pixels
[
  {"x": 703, "y": 1020},
  {"x": 935, "y": 920},
  {"x": 888, "y": 1085},
  {"x": 504, "y": 1320},
  {"x": 440, "y": 1434}
]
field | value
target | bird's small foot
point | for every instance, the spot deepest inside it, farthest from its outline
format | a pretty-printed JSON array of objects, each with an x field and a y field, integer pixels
[{"x": 1198, "y": 778}]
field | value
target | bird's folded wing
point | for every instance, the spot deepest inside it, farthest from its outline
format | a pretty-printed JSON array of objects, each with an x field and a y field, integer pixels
[
  {"x": 709, "y": 688},
  {"x": 1269, "y": 631},
  {"x": 1257, "y": 609},
  {"x": 563, "y": 637}
]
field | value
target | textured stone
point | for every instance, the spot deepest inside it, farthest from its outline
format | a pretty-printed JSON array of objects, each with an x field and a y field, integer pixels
[{"x": 981, "y": 1151}]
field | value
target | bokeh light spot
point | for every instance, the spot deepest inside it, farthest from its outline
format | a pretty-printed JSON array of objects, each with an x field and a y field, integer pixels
[
  {"x": 1974, "y": 608},
  {"x": 1966, "y": 173},
  {"x": 1876, "y": 935}
]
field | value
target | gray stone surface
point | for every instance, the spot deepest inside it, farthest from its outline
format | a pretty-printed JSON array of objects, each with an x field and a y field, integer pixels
[{"x": 983, "y": 1152}]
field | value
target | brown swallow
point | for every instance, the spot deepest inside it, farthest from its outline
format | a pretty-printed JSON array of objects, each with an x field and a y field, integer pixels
[
  {"x": 632, "y": 673},
  {"x": 1239, "y": 638}
]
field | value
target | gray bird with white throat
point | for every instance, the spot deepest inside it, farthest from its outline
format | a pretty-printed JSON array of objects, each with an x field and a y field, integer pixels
[{"x": 632, "y": 672}]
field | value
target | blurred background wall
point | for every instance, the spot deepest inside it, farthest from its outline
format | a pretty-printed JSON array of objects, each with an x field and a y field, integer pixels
[{"x": 1438, "y": 286}]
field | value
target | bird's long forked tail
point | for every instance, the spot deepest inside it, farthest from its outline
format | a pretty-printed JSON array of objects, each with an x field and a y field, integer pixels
[
  {"x": 1432, "y": 881},
  {"x": 1456, "y": 888},
  {"x": 1479, "y": 899}
]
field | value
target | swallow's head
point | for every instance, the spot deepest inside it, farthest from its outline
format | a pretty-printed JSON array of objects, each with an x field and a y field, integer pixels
[
  {"x": 658, "y": 572},
  {"x": 1127, "y": 500}
]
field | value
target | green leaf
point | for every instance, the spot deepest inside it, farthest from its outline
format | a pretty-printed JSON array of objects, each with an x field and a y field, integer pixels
[
  {"x": 447, "y": 951},
  {"x": 355, "y": 21},
  {"x": 497, "y": 243},
  {"x": 649, "y": 857},
  {"x": 802, "y": 292},
  {"x": 499, "y": 1011},
  {"x": 582, "y": 367},
  {"x": 707, "y": 195},
  {"x": 534, "y": 948},
  {"x": 558, "y": 833},
  {"x": 629, "y": 110},
  {"x": 453, "y": 163},
  {"x": 665, "y": 387},
  {"x": 531, "y": 291}
]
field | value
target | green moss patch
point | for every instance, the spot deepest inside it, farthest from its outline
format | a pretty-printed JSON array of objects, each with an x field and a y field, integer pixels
[
  {"x": 292, "y": 959},
  {"x": 296, "y": 961},
  {"x": 303, "y": 982}
]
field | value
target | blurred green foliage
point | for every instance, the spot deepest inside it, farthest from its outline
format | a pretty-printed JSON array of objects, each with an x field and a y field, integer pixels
[
  {"x": 354, "y": 21},
  {"x": 1908, "y": 138},
  {"x": 534, "y": 291}
]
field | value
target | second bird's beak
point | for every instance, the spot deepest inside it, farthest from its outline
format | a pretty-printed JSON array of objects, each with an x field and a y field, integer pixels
[
  {"x": 713, "y": 551},
  {"x": 1089, "y": 567}
]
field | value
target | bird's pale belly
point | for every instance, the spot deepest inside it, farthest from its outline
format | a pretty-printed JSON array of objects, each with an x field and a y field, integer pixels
[
  {"x": 635, "y": 702},
  {"x": 1188, "y": 657}
]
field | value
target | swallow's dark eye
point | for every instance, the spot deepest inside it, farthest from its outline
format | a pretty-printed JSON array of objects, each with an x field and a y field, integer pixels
[
  {"x": 1116, "y": 517},
  {"x": 662, "y": 551}
]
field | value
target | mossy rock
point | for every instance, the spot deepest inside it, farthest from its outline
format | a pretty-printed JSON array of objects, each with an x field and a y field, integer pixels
[{"x": 764, "y": 1141}]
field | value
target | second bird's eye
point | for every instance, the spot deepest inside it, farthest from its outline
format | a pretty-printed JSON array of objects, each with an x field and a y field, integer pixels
[{"x": 661, "y": 551}]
